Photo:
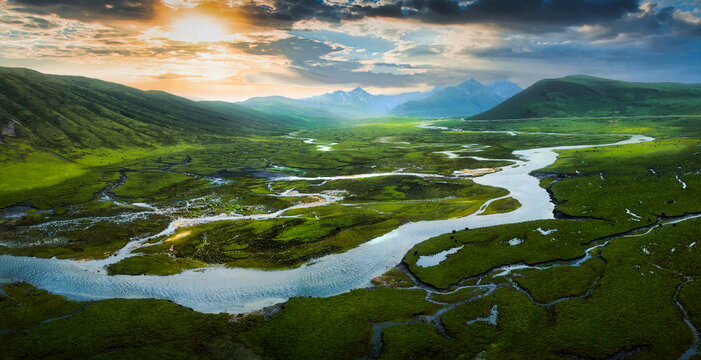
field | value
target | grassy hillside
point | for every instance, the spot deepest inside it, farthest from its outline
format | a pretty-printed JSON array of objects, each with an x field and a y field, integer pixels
[
  {"x": 591, "y": 96},
  {"x": 69, "y": 135},
  {"x": 63, "y": 113},
  {"x": 292, "y": 112}
]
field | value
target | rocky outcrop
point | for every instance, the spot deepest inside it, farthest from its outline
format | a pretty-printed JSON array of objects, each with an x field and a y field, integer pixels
[{"x": 9, "y": 129}]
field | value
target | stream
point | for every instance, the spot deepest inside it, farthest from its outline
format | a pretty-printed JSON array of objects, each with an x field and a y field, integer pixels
[{"x": 237, "y": 290}]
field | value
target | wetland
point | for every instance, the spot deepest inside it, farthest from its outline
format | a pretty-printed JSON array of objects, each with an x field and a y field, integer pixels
[{"x": 373, "y": 230}]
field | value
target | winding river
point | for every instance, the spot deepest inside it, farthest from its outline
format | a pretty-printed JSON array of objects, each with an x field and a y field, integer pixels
[{"x": 236, "y": 290}]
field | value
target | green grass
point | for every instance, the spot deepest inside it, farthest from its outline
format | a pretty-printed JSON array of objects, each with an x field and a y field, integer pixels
[
  {"x": 154, "y": 185},
  {"x": 630, "y": 308},
  {"x": 364, "y": 214},
  {"x": 559, "y": 282},
  {"x": 339, "y": 327},
  {"x": 638, "y": 280},
  {"x": 68, "y": 112},
  {"x": 626, "y": 170},
  {"x": 86, "y": 241},
  {"x": 631, "y": 286},
  {"x": 306, "y": 328},
  {"x": 122, "y": 328},
  {"x": 394, "y": 278},
  {"x": 74, "y": 185},
  {"x": 459, "y": 295},
  {"x": 486, "y": 248},
  {"x": 689, "y": 296},
  {"x": 73, "y": 178},
  {"x": 659, "y": 127},
  {"x": 156, "y": 264},
  {"x": 34, "y": 168},
  {"x": 59, "y": 181},
  {"x": 513, "y": 337},
  {"x": 25, "y": 307},
  {"x": 415, "y": 341},
  {"x": 502, "y": 206}
]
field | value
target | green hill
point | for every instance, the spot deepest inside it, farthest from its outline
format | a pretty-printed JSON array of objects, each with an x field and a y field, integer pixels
[
  {"x": 289, "y": 111},
  {"x": 68, "y": 112},
  {"x": 590, "y": 96}
]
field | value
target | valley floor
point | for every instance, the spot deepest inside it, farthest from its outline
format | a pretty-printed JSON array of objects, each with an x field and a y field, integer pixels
[{"x": 614, "y": 275}]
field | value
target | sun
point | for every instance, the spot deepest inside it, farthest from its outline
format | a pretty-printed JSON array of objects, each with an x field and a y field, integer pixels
[{"x": 198, "y": 28}]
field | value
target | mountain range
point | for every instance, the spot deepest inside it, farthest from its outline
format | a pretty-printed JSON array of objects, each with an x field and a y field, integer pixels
[
  {"x": 467, "y": 98},
  {"x": 68, "y": 113}
]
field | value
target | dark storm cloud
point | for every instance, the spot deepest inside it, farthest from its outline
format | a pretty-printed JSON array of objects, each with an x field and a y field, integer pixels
[
  {"x": 647, "y": 34},
  {"x": 509, "y": 13},
  {"x": 651, "y": 21},
  {"x": 573, "y": 52},
  {"x": 531, "y": 16},
  {"x": 90, "y": 10},
  {"x": 291, "y": 11},
  {"x": 544, "y": 12},
  {"x": 298, "y": 50}
]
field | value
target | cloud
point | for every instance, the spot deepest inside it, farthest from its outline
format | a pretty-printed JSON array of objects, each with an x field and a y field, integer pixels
[
  {"x": 522, "y": 12},
  {"x": 371, "y": 43},
  {"x": 526, "y": 15},
  {"x": 91, "y": 10},
  {"x": 10, "y": 20},
  {"x": 310, "y": 62},
  {"x": 298, "y": 50},
  {"x": 651, "y": 20},
  {"x": 173, "y": 76},
  {"x": 39, "y": 23},
  {"x": 282, "y": 13},
  {"x": 424, "y": 50}
]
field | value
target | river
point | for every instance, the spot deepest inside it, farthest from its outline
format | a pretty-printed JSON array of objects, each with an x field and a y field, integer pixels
[{"x": 236, "y": 290}]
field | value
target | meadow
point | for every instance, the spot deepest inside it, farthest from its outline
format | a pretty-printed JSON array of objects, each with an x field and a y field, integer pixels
[
  {"x": 615, "y": 275},
  {"x": 81, "y": 214}
]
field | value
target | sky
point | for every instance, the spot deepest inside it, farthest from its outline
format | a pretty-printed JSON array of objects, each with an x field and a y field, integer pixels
[{"x": 233, "y": 50}]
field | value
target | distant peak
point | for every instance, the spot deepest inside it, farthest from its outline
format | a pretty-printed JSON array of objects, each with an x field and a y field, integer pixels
[
  {"x": 471, "y": 82},
  {"x": 359, "y": 90},
  {"x": 470, "y": 86}
]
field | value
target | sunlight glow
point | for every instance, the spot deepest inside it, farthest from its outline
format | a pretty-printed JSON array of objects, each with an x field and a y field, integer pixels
[
  {"x": 198, "y": 28},
  {"x": 180, "y": 3}
]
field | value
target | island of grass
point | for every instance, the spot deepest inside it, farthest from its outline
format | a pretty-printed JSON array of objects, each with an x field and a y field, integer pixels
[
  {"x": 366, "y": 212},
  {"x": 156, "y": 264}
]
